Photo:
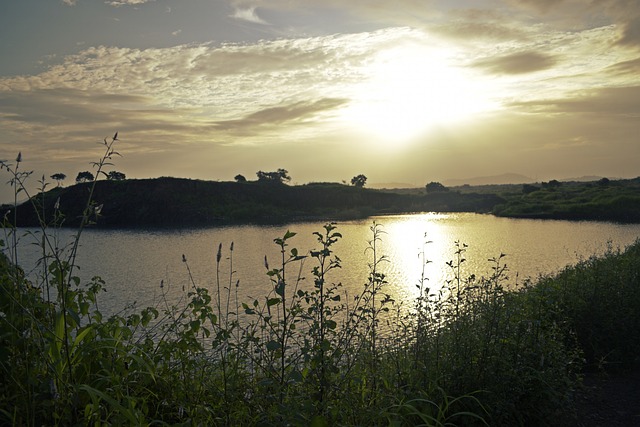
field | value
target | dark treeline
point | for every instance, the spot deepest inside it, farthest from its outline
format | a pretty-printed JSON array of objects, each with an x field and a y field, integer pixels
[
  {"x": 174, "y": 202},
  {"x": 177, "y": 202}
]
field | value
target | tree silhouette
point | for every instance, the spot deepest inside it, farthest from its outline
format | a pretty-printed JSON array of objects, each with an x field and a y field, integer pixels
[
  {"x": 278, "y": 177},
  {"x": 436, "y": 187},
  {"x": 58, "y": 177},
  {"x": 359, "y": 181},
  {"x": 85, "y": 176},
  {"x": 240, "y": 178},
  {"x": 116, "y": 176}
]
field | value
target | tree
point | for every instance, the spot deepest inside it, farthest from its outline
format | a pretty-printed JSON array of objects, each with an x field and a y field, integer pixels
[
  {"x": 280, "y": 176},
  {"x": 528, "y": 188},
  {"x": 85, "y": 176},
  {"x": 359, "y": 181},
  {"x": 116, "y": 176},
  {"x": 240, "y": 178},
  {"x": 436, "y": 187},
  {"x": 553, "y": 184},
  {"x": 58, "y": 177}
]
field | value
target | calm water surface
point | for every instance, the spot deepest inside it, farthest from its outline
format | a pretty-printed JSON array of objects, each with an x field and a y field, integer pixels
[{"x": 134, "y": 263}]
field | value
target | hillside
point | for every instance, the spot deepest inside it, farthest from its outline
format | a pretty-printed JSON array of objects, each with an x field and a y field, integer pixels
[
  {"x": 602, "y": 200},
  {"x": 177, "y": 202}
]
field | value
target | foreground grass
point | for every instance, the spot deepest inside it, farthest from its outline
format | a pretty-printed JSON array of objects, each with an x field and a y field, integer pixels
[{"x": 469, "y": 354}]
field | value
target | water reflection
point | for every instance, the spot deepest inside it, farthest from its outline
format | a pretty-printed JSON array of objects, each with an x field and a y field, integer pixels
[{"x": 134, "y": 262}]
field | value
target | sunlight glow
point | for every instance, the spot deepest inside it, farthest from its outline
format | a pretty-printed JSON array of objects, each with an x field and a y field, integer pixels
[{"x": 409, "y": 90}]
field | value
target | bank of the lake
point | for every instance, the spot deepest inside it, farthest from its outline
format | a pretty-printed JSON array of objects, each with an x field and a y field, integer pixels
[{"x": 175, "y": 202}]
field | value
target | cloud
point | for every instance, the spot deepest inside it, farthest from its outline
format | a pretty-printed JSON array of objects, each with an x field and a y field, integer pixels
[
  {"x": 625, "y": 14},
  {"x": 176, "y": 32},
  {"x": 187, "y": 94},
  {"x": 630, "y": 67},
  {"x": 541, "y": 6},
  {"x": 517, "y": 63},
  {"x": 249, "y": 15},
  {"x": 70, "y": 2},
  {"x": 118, "y": 3},
  {"x": 471, "y": 25},
  {"x": 298, "y": 113},
  {"x": 612, "y": 101}
]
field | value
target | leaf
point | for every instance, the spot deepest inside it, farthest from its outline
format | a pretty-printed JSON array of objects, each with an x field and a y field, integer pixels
[
  {"x": 273, "y": 345},
  {"x": 280, "y": 288},
  {"x": 288, "y": 235},
  {"x": 273, "y": 301},
  {"x": 319, "y": 421}
]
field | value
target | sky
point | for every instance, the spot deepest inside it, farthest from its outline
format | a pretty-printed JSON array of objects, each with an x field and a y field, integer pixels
[{"x": 407, "y": 92}]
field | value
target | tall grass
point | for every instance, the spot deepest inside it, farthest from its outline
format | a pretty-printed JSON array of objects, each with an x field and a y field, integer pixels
[{"x": 466, "y": 352}]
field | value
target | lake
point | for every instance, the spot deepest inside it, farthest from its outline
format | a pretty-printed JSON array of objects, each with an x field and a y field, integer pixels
[{"x": 142, "y": 265}]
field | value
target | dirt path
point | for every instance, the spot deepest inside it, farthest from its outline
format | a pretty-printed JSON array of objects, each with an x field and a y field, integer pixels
[{"x": 609, "y": 400}]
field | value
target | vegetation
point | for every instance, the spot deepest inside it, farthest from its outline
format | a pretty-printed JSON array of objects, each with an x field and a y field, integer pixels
[
  {"x": 116, "y": 176},
  {"x": 602, "y": 200},
  {"x": 178, "y": 202},
  {"x": 278, "y": 177},
  {"x": 436, "y": 187},
  {"x": 59, "y": 177},
  {"x": 359, "y": 181},
  {"x": 465, "y": 352},
  {"x": 84, "y": 176}
]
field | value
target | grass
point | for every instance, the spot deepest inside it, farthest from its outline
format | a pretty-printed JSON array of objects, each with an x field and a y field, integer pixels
[{"x": 468, "y": 352}]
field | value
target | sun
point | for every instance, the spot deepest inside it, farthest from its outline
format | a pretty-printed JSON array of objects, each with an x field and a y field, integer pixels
[{"x": 408, "y": 90}]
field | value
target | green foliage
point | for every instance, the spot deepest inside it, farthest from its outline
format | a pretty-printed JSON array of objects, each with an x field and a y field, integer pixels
[
  {"x": 608, "y": 200},
  {"x": 469, "y": 351}
]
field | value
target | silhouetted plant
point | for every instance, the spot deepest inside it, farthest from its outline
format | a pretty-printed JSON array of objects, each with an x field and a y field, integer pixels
[
  {"x": 436, "y": 187},
  {"x": 84, "y": 176},
  {"x": 278, "y": 177},
  {"x": 116, "y": 176},
  {"x": 59, "y": 177},
  {"x": 359, "y": 181}
]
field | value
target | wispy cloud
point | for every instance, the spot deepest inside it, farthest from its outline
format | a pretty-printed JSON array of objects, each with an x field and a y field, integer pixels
[
  {"x": 517, "y": 63},
  {"x": 249, "y": 15},
  {"x": 118, "y": 3},
  {"x": 295, "y": 114},
  {"x": 613, "y": 101}
]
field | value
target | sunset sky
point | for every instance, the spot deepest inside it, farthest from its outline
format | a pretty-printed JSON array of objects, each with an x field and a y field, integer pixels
[{"x": 405, "y": 91}]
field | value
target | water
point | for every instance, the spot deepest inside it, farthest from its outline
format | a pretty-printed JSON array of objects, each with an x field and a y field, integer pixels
[{"x": 134, "y": 263}]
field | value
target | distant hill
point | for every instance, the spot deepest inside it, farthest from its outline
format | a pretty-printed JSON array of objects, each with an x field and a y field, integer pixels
[
  {"x": 392, "y": 185},
  {"x": 588, "y": 178},
  {"x": 507, "y": 178},
  {"x": 163, "y": 202}
]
